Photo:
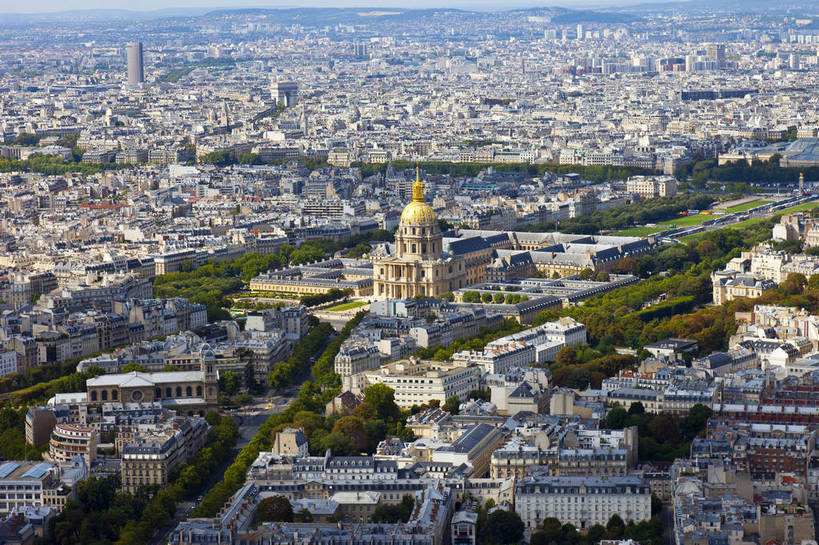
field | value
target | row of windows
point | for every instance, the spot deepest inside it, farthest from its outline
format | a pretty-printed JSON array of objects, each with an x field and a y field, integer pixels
[
  {"x": 339, "y": 487},
  {"x": 596, "y": 499},
  {"x": 615, "y": 490},
  {"x": 147, "y": 465},
  {"x": 415, "y": 247},
  {"x": 18, "y": 496},
  {"x": 415, "y": 230},
  {"x": 359, "y": 508},
  {"x": 137, "y": 395}
]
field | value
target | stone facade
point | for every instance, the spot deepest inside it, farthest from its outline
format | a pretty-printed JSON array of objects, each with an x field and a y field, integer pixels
[
  {"x": 188, "y": 392},
  {"x": 419, "y": 265}
]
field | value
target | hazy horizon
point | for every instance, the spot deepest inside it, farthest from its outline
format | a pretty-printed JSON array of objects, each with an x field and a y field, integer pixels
[{"x": 52, "y": 6}]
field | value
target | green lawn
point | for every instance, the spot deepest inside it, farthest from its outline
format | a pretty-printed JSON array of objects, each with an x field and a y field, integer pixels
[
  {"x": 688, "y": 221},
  {"x": 739, "y": 225},
  {"x": 798, "y": 208},
  {"x": 268, "y": 294},
  {"x": 747, "y": 206},
  {"x": 639, "y": 231},
  {"x": 346, "y": 306}
]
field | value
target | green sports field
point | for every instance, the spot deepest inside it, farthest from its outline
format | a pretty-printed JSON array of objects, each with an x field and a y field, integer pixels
[
  {"x": 639, "y": 231},
  {"x": 346, "y": 306},
  {"x": 798, "y": 208},
  {"x": 688, "y": 221},
  {"x": 747, "y": 206}
]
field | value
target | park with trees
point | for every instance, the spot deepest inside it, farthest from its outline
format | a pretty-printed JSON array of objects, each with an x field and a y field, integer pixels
[{"x": 702, "y": 171}]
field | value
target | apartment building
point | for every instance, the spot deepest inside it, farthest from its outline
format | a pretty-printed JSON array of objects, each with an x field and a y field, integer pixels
[
  {"x": 151, "y": 453},
  {"x": 676, "y": 399},
  {"x": 605, "y": 462},
  {"x": 8, "y": 362},
  {"x": 340, "y": 157},
  {"x": 721, "y": 364},
  {"x": 651, "y": 400},
  {"x": 498, "y": 359},
  {"x": 547, "y": 339},
  {"x": 651, "y": 187},
  {"x": 172, "y": 261},
  {"x": 627, "y": 378},
  {"x": 33, "y": 484},
  {"x": 766, "y": 450},
  {"x": 535, "y": 345},
  {"x": 69, "y": 440},
  {"x": 433, "y": 423},
  {"x": 730, "y": 285},
  {"x": 765, "y": 262},
  {"x": 428, "y": 523},
  {"x": 464, "y": 528},
  {"x": 356, "y": 358},
  {"x": 474, "y": 447},
  {"x": 519, "y": 458},
  {"x": 520, "y": 389},
  {"x": 40, "y": 422},
  {"x": 418, "y": 382},
  {"x": 582, "y": 501},
  {"x": 26, "y": 350},
  {"x": 290, "y": 442}
]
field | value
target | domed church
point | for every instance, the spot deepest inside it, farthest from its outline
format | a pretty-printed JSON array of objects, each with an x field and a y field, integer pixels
[{"x": 417, "y": 265}]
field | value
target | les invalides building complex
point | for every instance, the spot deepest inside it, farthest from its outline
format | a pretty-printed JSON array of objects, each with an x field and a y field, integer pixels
[{"x": 418, "y": 264}]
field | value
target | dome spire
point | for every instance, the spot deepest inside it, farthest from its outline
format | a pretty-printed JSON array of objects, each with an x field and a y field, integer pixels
[
  {"x": 417, "y": 187},
  {"x": 417, "y": 212}
]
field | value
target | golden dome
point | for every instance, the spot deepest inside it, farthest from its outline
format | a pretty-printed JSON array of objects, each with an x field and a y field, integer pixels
[{"x": 418, "y": 212}]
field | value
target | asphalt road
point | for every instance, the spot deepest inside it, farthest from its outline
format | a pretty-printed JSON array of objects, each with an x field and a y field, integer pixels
[
  {"x": 667, "y": 516},
  {"x": 338, "y": 322},
  {"x": 249, "y": 418}
]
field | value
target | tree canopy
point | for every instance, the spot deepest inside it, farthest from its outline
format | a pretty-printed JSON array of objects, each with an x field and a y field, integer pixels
[
  {"x": 273, "y": 509},
  {"x": 502, "y": 528}
]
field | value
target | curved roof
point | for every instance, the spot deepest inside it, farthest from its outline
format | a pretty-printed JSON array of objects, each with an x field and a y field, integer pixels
[{"x": 417, "y": 213}]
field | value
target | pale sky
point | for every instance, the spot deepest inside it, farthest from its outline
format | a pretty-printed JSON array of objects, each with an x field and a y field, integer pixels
[{"x": 44, "y": 6}]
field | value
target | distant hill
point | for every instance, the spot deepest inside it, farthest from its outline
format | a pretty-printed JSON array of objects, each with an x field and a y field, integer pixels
[
  {"x": 758, "y": 6},
  {"x": 326, "y": 16},
  {"x": 331, "y": 16},
  {"x": 621, "y": 12},
  {"x": 102, "y": 15},
  {"x": 571, "y": 17}
]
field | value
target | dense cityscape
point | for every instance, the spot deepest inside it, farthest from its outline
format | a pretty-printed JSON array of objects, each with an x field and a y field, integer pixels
[{"x": 394, "y": 276}]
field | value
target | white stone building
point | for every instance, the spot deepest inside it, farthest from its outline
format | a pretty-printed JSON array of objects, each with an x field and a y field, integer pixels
[
  {"x": 582, "y": 501},
  {"x": 418, "y": 382}
]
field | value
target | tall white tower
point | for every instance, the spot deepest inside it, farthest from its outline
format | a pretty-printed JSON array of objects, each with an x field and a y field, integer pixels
[{"x": 136, "y": 73}]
